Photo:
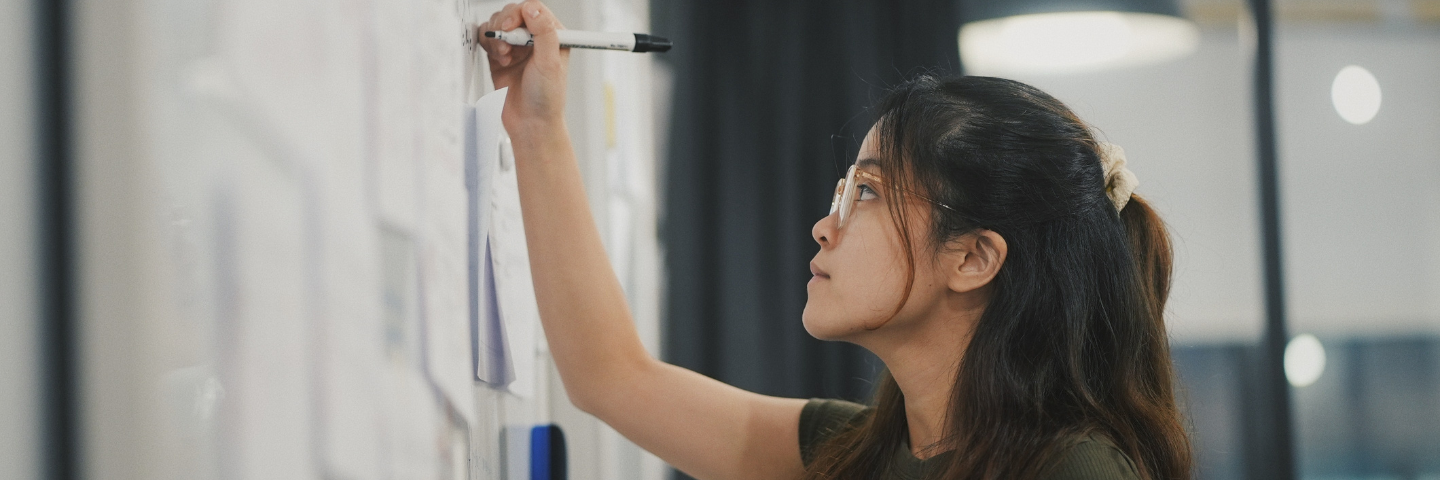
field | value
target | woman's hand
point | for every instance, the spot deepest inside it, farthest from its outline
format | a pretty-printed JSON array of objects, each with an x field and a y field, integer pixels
[{"x": 535, "y": 74}]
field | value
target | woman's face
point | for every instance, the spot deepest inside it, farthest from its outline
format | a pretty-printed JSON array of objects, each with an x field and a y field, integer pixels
[{"x": 859, "y": 273}]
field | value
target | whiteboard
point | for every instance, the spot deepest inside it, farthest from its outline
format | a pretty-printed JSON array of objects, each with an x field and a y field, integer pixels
[{"x": 291, "y": 224}]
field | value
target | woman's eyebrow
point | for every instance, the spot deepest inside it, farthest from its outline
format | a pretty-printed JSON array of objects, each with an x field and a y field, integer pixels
[{"x": 867, "y": 162}]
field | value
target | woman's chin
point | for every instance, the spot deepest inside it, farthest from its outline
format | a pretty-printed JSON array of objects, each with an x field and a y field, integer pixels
[{"x": 817, "y": 326}]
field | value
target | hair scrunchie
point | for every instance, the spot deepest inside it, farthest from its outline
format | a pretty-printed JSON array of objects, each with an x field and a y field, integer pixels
[{"x": 1120, "y": 182}]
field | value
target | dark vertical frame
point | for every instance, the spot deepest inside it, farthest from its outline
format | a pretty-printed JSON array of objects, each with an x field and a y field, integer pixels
[
  {"x": 1272, "y": 452},
  {"x": 56, "y": 239}
]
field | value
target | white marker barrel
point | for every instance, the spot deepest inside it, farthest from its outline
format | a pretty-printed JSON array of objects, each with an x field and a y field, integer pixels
[
  {"x": 630, "y": 42},
  {"x": 597, "y": 40}
]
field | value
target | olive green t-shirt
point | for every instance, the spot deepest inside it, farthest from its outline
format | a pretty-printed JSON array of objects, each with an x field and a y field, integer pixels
[{"x": 1093, "y": 457}]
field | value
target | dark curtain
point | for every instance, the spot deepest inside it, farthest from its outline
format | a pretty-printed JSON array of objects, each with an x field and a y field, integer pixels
[{"x": 771, "y": 100}]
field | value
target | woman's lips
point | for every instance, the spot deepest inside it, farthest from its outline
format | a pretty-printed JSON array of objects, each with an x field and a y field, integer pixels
[{"x": 817, "y": 272}]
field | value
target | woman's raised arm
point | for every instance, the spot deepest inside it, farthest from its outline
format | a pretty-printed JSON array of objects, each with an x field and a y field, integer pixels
[{"x": 701, "y": 426}]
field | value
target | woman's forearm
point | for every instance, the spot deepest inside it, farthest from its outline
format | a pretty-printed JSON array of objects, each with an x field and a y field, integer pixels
[
  {"x": 702, "y": 426},
  {"x": 707, "y": 428},
  {"x": 582, "y": 307}
]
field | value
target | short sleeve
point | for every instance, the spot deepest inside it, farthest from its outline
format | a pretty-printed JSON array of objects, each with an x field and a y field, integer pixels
[
  {"x": 1091, "y": 459},
  {"x": 821, "y": 419}
]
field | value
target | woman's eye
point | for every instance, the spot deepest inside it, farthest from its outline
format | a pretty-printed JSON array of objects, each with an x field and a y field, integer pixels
[{"x": 867, "y": 193}]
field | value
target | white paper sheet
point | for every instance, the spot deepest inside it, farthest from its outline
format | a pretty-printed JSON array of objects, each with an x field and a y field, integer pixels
[
  {"x": 444, "y": 283},
  {"x": 513, "y": 284},
  {"x": 443, "y": 235},
  {"x": 489, "y": 355}
]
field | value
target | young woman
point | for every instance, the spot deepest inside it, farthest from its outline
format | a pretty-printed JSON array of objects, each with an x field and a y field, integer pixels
[{"x": 984, "y": 246}]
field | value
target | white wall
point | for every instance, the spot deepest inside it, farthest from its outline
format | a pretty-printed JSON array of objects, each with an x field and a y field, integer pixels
[
  {"x": 1361, "y": 203},
  {"x": 19, "y": 338}
]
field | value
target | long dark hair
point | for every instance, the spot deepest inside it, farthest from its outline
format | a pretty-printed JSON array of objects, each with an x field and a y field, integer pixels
[{"x": 1073, "y": 340}]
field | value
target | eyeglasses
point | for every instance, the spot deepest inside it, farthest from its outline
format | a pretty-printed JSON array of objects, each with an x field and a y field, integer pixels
[{"x": 847, "y": 192}]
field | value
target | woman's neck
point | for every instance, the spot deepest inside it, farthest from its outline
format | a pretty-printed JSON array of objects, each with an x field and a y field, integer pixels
[
  {"x": 927, "y": 390},
  {"x": 924, "y": 360}
]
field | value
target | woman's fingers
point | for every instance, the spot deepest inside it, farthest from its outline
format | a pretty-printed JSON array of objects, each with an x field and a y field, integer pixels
[
  {"x": 542, "y": 25},
  {"x": 507, "y": 18},
  {"x": 507, "y": 62},
  {"x": 510, "y": 17}
]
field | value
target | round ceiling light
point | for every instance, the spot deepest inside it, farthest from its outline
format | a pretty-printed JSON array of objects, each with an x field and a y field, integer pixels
[
  {"x": 1304, "y": 360},
  {"x": 1356, "y": 95},
  {"x": 1073, "y": 42}
]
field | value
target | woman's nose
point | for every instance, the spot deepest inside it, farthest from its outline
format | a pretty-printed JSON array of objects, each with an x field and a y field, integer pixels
[{"x": 824, "y": 231}]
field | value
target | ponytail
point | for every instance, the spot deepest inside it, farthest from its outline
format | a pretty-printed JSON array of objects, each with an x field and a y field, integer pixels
[
  {"x": 1150, "y": 247},
  {"x": 1150, "y": 244}
]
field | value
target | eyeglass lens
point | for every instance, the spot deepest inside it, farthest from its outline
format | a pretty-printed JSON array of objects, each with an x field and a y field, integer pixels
[{"x": 844, "y": 200}]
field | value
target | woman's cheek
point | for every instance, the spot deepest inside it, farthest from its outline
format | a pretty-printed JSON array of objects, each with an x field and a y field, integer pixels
[{"x": 866, "y": 284}]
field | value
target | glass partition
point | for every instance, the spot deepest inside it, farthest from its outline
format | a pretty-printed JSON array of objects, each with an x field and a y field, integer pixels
[
  {"x": 1359, "y": 120},
  {"x": 1358, "y": 114}
]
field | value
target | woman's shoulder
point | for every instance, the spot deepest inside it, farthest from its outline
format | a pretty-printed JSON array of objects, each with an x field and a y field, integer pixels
[
  {"x": 1091, "y": 457},
  {"x": 821, "y": 419}
]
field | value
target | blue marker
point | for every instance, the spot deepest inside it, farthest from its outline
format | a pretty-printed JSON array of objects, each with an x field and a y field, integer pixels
[{"x": 547, "y": 453}]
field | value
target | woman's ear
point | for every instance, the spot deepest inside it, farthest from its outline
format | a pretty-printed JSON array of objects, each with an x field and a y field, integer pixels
[{"x": 974, "y": 259}]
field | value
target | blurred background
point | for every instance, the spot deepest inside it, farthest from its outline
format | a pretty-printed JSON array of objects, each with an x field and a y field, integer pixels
[{"x": 225, "y": 222}]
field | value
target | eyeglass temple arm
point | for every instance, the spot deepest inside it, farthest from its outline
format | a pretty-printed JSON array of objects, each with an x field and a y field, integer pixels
[{"x": 877, "y": 179}]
